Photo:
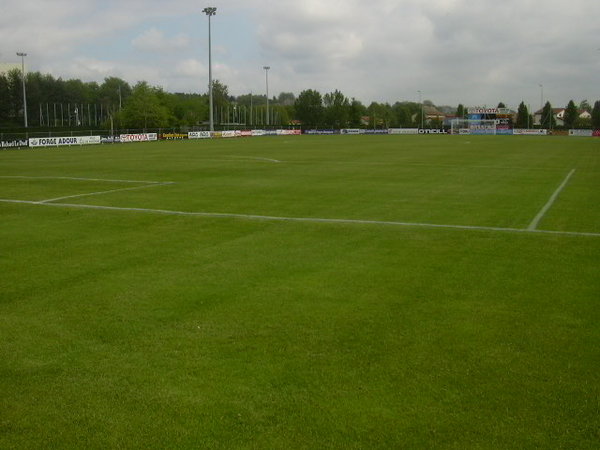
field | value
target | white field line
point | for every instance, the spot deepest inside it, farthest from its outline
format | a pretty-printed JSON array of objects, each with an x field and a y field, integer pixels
[
  {"x": 536, "y": 220},
  {"x": 104, "y": 192},
  {"x": 304, "y": 219},
  {"x": 82, "y": 179},
  {"x": 255, "y": 158}
]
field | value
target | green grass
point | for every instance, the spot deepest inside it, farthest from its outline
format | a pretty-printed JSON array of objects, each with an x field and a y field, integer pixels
[{"x": 137, "y": 329}]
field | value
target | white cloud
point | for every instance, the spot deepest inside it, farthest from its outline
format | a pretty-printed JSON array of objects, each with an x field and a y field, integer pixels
[
  {"x": 474, "y": 52},
  {"x": 154, "y": 40}
]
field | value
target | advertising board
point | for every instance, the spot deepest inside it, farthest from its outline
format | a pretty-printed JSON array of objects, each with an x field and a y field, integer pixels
[
  {"x": 199, "y": 135},
  {"x": 386, "y": 131},
  {"x": 70, "y": 140},
  {"x": 172, "y": 136},
  {"x": 529, "y": 132},
  {"x": 258, "y": 132},
  {"x": 403, "y": 131},
  {"x": 16, "y": 143},
  {"x": 246, "y": 133},
  {"x": 141, "y": 137},
  {"x": 321, "y": 131},
  {"x": 585, "y": 133},
  {"x": 596, "y": 133},
  {"x": 432, "y": 131},
  {"x": 351, "y": 131},
  {"x": 228, "y": 134}
]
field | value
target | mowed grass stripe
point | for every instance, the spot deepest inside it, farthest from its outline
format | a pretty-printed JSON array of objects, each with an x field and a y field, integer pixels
[
  {"x": 128, "y": 329},
  {"x": 292, "y": 219}
]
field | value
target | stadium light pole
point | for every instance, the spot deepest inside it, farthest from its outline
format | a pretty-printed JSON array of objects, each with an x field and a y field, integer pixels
[
  {"x": 267, "y": 82},
  {"x": 23, "y": 55},
  {"x": 210, "y": 11},
  {"x": 541, "y": 96},
  {"x": 421, "y": 103}
]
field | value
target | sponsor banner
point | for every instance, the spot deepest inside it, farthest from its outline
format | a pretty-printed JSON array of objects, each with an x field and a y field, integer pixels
[
  {"x": 110, "y": 139},
  {"x": 586, "y": 133},
  {"x": 596, "y": 133},
  {"x": 258, "y": 132},
  {"x": 17, "y": 143},
  {"x": 321, "y": 131},
  {"x": 287, "y": 132},
  {"x": 504, "y": 131},
  {"x": 270, "y": 133},
  {"x": 142, "y": 137},
  {"x": 199, "y": 135},
  {"x": 464, "y": 131},
  {"x": 529, "y": 132},
  {"x": 403, "y": 131},
  {"x": 228, "y": 134},
  {"x": 434, "y": 131},
  {"x": 482, "y": 110},
  {"x": 246, "y": 133},
  {"x": 172, "y": 136},
  {"x": 351, "y": 131},
  {"x": 296, "y": 132},
  {"x": 376, "y": 131},
  {"x": 56, "y": 141}
]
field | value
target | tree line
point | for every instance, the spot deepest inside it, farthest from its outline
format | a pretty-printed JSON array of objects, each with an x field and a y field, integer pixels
[{"x": 54, "y": 102}]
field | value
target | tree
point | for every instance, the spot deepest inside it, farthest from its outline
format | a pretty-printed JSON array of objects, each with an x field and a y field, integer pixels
[
  {"x": 596, "y": 115},
  {"x": 286, "y": 98},
  {"x": 501, "y": 105},
  {"x": 460, "y": 111},
  {"x": 548, "y": 120},
  {"x": 143, "y": 108},
  {"x": 585, "y": 106},
  {"x": 523, "y": 118},
  {"x": 571, "y": 115},
  {"x": 309, "y": 108},
  {"x": 337, "y": 109},
  {"x": 356, "y": 112}
]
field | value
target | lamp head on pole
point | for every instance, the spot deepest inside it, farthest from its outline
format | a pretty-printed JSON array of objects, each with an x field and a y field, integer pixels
[
  {"x": 210, "y": 11},
  {"x": 21, "y": 54}
]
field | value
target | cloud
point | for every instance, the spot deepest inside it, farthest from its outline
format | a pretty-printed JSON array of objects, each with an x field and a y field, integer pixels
[
  {"x": 154, "y": 40},
  {"x": 454, "y": 51}
]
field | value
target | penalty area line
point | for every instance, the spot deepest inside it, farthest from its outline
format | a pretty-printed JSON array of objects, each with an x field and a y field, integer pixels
[
  {"x": 537, "y": 219},
  {"x": 304, "y": 219}
]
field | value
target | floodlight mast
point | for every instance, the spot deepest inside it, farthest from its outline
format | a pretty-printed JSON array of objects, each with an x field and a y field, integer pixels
[
  {"x": 23, "y": 55},
  {"x": 210, "y": 11},
  {"x": 421, "y": 102},
  {"x": 267, "y": 82}
]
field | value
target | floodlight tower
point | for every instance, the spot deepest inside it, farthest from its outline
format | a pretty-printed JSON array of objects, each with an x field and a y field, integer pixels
[
  {"x": 210, "y": 11},
  {"x": 421, "y": 103},
  {"x": 23, "y": 55},
  {"x": 267, "y": 82}
]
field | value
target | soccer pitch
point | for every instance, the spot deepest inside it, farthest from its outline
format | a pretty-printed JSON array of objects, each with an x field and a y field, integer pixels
[{"x": 302, "y": 292}]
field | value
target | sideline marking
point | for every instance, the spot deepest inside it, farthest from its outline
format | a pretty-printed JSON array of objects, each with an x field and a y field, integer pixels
[
  {"x": 105, "y": 192},
  {"x": 305, "y": 219},
  {"x": 82, "y": 179},
  {"x": 536, "y": 220},
  {"x": 257, "y": 158}
]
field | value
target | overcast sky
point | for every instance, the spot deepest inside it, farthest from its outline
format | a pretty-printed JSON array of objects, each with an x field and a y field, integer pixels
[{"x": 475, "y": 52}]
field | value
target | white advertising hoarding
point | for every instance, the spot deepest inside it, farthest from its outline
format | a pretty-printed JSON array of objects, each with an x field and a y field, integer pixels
[
  {"x": 69, "y": 140},
  {"x": 529, "y": 132},
  {"x": 141, "y": 137},
  {"x": 199, "y": 135}
]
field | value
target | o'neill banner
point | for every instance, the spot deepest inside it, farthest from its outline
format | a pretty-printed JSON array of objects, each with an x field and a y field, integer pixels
[
  {"x": 56, "y": 141},
  {"x": 142, "y": 137}
]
